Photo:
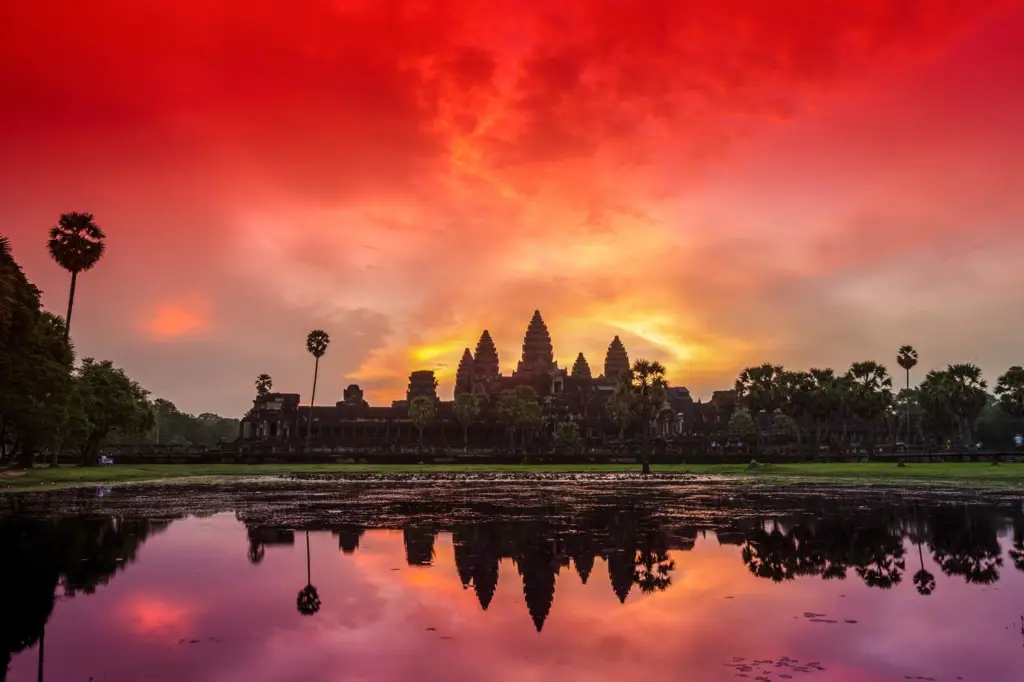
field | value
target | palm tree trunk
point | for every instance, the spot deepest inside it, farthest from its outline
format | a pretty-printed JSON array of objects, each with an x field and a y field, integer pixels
[
  {"x": 312, "y": 399},
  {"x": 71, "y": 304},
  {"x": 465, "y": 435},
  {"x": 645, "y": 450},
  {"x": 908, "y": 407}
]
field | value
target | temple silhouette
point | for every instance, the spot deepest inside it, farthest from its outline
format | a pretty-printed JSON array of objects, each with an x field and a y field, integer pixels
[{"x": 575, "y": 394}]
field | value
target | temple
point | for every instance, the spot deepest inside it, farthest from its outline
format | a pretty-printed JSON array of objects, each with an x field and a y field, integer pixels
[{"x": 279, "y": 419}]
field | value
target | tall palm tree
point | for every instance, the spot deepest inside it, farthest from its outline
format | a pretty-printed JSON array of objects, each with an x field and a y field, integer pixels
[
  {"x": 264, "y": 384},
  {"x": 76, "y": 244},
  {"x": 643, "y": 387},
  {"x": 907, "y": 359},
  {"x": 308, "y": 602},
  {"x": 316, "y": 343},
  {"x": 422, "y": 411}
]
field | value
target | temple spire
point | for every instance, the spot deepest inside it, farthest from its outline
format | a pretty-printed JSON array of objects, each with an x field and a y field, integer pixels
[
  {"x": 616, "y": 361},
  {"x": 464, "y": 375},
  {"x": 580, "y": 368},
  {"x": 485, "y": 360},
  {"x": 538, "y": 355}
]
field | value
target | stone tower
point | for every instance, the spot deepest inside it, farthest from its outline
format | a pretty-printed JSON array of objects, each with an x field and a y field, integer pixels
[
  {"x": 616, "y": 361},
  {"x": 464, "y": 375},
  {"x": 580, "y": 368},
  {"x": 485, "y": 364},
  {"x": 422, "y": 382},
  {"x": 538, "y": 355}
]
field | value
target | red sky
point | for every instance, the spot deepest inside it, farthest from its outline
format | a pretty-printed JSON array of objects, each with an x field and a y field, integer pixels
[{"x": 720, "y": 183}]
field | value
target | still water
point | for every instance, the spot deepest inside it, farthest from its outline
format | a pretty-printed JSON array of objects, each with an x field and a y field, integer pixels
[{"x": 472, "y": 579}]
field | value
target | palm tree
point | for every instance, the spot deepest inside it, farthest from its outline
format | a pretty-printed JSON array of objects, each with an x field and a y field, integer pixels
[
  {"x": 421, "y": 411},
  {"x": 759, "y": 389},
  {"x": 467, "y": 409},
  {"x": 76, "y": 244},
  {"x": 1010, "y": 389},
  {"x": 643, "y": 388},
  {"x": 308, "y": 602},
  {"x": 872, "y": 392},
  {"x": 907, "y": 359},
  {"x": 823, "y": 401},
  {"x": 263, "y": 385},
  {"x": 316, "y": 343}
]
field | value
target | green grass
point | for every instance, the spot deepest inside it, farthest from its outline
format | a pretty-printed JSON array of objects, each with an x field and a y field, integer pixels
[{"x": 968, "y": 474}]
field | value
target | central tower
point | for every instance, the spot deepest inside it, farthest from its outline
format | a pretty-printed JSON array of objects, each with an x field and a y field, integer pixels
[{"x": 538, "y": 355}]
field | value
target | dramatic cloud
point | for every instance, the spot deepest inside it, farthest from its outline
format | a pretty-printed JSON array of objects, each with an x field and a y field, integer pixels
[{"x": 718, "y": 183}]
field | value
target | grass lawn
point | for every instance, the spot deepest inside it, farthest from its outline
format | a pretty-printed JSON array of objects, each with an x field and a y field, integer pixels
[{"x": 968, "y": 474}]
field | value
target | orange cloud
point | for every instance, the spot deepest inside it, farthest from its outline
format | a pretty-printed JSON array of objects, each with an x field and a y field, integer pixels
[{"x": 174, "y": 320}]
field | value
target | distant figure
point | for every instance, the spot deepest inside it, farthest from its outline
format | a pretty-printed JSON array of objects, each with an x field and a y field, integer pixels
[{"x": 1018, "y": 440}]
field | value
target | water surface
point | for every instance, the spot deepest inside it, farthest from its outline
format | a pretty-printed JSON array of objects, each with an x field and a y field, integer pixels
[{"x": 470, "y": 579}]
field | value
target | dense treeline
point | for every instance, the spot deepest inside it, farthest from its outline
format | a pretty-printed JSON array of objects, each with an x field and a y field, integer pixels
[
  {"x": 859, "y": 408},
  {"x": 47, "y": 404}
]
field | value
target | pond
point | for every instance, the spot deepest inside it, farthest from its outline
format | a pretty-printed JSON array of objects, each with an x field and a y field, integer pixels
[{"x": 510, "y": 579}]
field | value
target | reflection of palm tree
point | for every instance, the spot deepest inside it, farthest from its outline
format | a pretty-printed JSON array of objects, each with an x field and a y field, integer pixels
[
  {"x": 1017, "y": 553},
  {"x": 309, "y": 600},
  {"x": 652, "y": 573},
  {"x": 923, "y": 580},
  {"x": 771, "y": 555},
  {"x": 965, "y": 544},
  {"x": 256, "y": 551}
]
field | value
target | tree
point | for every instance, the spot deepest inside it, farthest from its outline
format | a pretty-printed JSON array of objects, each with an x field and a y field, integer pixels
[
  {"x": 467, "y": 409},
  {"x": 35, "y": 367},
  {"x": 786, "y": 425},
  {"x": 871, "y": 393},
  {"x": 823, "y": 401},
  {"x": 643, "y": 389},
  {"x": 316, "y": 343},
  {"x": 308, "y": 601},
  {"x": 264, "y": 384},
  {"x": 1010, "y": 390},
  {"x": 518, "y": 408},
  {"x": 758, "y": 389},
  {"x": 741, "y": 424},
  {"x": 422, "y": 410},
  {"x": 567, "y": 434},
  {"x": 76, "y": 244},
  {"x": 111, "y": 401},
  {"x": 954, "y": 397},
  {"x": 620, "y": 410},
  {"x": 907, "y": 359}
]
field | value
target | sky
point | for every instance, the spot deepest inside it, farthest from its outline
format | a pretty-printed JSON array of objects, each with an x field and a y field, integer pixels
[{"x": 720, "y": 184}]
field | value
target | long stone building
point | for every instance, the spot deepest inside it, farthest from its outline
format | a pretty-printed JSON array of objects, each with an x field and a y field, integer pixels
[{"x": 574, "y": 393}]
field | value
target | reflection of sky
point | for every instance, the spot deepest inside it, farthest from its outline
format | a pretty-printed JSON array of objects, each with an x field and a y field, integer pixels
[{"x": 193, "y": 582}]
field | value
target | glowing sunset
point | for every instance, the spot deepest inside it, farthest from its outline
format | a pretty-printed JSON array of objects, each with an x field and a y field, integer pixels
[
  {"x": 444, "y": 340},
  {"x": 718, "y": 183}
]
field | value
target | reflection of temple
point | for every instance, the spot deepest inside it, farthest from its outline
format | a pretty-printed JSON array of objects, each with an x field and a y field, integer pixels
[
  {"x": 277, "y": 419},
  {"x": 636, "y": 545}
]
